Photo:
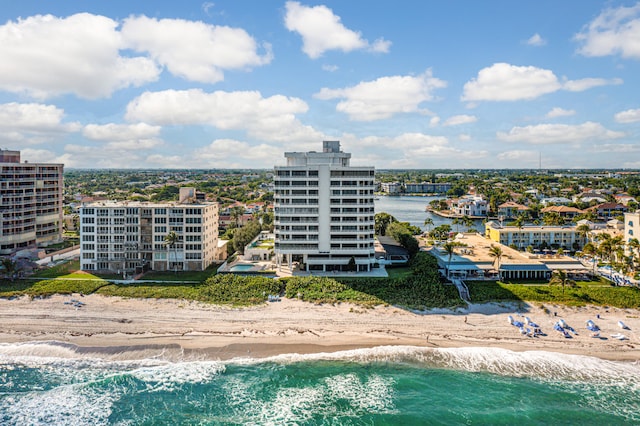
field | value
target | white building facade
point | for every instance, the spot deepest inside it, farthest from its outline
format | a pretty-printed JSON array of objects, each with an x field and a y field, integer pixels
[
  {"x": 631, "y": 226},
  {"x": 324, "y": 211},
  {"x": 129, "y": 237}
]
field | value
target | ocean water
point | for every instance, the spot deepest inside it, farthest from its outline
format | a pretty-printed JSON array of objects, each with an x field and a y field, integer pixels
[{"x": 58, "y": 384}]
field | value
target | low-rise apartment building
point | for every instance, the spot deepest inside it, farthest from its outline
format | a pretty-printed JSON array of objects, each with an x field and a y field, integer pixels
[
  {"x": 30, "y": 203},
  {"x": 130, "y": 237},
  {"x": 535, "y": 236}
]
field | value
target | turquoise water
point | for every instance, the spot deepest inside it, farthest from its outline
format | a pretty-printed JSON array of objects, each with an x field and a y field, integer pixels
[
  {"x": 59, "y": 384},
  {"x": 241, "y": 268}
]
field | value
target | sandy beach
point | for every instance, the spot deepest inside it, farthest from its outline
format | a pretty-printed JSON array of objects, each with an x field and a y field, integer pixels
[{"x": 117, "y": 325}]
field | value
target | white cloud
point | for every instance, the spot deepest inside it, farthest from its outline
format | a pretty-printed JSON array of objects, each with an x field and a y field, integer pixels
[
  {"x": 34, "y": 118},
  {"x": 272, "y": 118},
  {"x": 117, "y": 154},
  {"x": 517, "y": 155},
  {"x": 124, "y": 137},
  {"x": 506, "y": 82},
  {"x": 222, "y": 152},
  {"x": 380, "y": 45},
  {"x": 45, "y": 156},
  {"x": 628, "y": 116},
  {"x": 330, "y": 68},
  {"x": 536, "y": 40},
  {"x": 384, "y": 97},
  {"x": 434, "y": 121},
  {"x": 559, "y": 133},
  {"x": 457, "y": 120},
  {"x": 616, "y": 31},
  {"x": 321, "y": 30},
  {"x": 463, "y": 137},
  {"x": 206, "y": 6},
  {"x": 120, "y": 132},
  {"x": 193, "y": 50},
  {"x": 588, "y": 83},
  {"x": 32, "y": 123},
  {"x": 45, "y": 56},
  {"x": 616, "y": 148},
  {"x": 415, "y": 149},
  {"x": 560, "y": 112}
]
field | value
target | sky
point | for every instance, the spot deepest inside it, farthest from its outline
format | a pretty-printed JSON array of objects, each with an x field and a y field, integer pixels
[{"x": 401, "y": 84}]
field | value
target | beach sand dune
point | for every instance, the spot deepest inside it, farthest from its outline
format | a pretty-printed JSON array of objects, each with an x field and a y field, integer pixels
[{"x": 111, "y": 324}]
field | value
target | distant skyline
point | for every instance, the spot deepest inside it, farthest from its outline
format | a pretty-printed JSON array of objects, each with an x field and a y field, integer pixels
[{"x": 404, "y": 84}]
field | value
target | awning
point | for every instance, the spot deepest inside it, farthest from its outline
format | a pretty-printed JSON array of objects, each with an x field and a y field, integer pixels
[
  {"x": 524, "y": 267},
  {"x": 567, "y": 267}
]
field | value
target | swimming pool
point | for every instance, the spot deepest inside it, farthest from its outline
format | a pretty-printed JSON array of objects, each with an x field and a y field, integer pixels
[{"x": 241, "y": 267}]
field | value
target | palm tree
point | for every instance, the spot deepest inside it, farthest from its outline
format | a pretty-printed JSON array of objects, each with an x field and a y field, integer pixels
[
  {"x": 10, "y": 267},
  {"x": 457, "y": 221},
  {"x": 561, "y": 278},
  {"x": 170, "y": 241},
  {"x": 428, "y": 222},
  {"x": 236, "y": 213},
  {"x": 584, "y": 230},
  {"x": 496, "y": 253},
  {"x": 634, "y": 244},
  {"x": 468, "y": 223},
  {"x": 519, "y": 222},
  {"x": 449, "y": 248}
]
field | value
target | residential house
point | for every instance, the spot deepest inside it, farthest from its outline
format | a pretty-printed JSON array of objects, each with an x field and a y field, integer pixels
[
  {"x": 555, "y": 201},
  {"x": 565, "y": 212},
  {"x": 608, "y": 210},
  {"x": 470, "y": 205},
  {"x": 510, "y": 210}
]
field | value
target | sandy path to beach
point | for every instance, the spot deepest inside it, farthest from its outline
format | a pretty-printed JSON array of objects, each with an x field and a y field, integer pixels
[{"x": 292, "y": 326}]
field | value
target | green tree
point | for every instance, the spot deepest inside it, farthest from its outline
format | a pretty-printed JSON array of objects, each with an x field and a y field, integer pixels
[
  {"x": 428, "y": 222},
  {"x": 243, "y": 236},
  {"x": 450, "y": 248},
  {"x": 170, "y": 241},
  {"x": 382, "y": 221},
  {"x": 441, "y": 232},
  {"x": 236, "y": 214},
  {"x": 560, "y": 278},
  {"x": 496, "y": 253},
  {"x": 552, "y": 219},
  {"x": 10, "y": 268}
]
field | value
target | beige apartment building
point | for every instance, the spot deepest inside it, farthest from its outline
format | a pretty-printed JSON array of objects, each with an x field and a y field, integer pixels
[
  {"x": 129, "y": 237},
  {"x": 30, "y": 203}
]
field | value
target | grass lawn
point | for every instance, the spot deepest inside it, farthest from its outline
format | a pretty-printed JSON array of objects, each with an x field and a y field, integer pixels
[
  {"x": 398, "y": 272},
  {"x": 597, "y": 292}
]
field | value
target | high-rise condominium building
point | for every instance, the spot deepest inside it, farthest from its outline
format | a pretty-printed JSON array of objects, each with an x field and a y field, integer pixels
[
  {"x": 131, "y": 237},
  {"x": 30, "y": 203},
  {"x": 324, "y": 211}
]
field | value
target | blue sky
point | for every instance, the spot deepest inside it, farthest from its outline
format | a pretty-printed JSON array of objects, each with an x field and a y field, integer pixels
[{"x": 403, "y": 84}]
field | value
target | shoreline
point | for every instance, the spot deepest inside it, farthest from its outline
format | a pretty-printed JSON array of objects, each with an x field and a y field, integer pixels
[{"x": 139, "y": 328}]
